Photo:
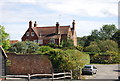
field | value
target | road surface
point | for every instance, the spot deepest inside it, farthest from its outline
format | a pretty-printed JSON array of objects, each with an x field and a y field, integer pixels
[{"x": 107, "y": 71}]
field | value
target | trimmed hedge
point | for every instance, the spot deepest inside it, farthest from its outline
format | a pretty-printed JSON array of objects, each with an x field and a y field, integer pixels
[{"x": 106, "y": 58}]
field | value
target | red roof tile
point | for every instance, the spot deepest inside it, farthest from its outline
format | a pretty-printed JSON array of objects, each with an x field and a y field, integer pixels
[{"x": 44, "y": 31}]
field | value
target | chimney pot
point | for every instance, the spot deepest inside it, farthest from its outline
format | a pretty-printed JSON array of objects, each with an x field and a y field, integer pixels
[{"x": 35, "y": 24}]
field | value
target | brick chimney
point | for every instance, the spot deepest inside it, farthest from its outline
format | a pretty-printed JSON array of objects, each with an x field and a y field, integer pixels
[
  {"x": 30, "y": 24},
  {"x": 35, "y": 24},
  {"x": 73, "y": 24},
  {"x": 57, "y": 28}
]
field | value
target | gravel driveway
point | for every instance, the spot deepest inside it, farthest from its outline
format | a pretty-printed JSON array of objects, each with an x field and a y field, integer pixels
[{"x": 107, "y": 71}]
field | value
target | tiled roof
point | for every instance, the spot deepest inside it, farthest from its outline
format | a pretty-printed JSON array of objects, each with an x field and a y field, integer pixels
[
  {"x": 47, "y": 31},
  {"x": 13, "y": 41}
]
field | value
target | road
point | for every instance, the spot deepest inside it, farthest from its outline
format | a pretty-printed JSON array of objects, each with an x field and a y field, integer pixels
[{"x": 107, "y": 71}]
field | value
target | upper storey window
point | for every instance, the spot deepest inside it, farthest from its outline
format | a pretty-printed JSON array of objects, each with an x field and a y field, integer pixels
[
  {"x": 27, "y": 34},
  {"x": 32, "y": 33}
]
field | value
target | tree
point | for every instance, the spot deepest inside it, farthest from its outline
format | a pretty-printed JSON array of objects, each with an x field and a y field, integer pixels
[
  {"x": 105, "y": 33},
  {"x": 116, "y": 37},
  {"x": 4, "y": 38},
  {"x": 67, "y": 44},
  {"x": 102, "y": 46},
  {"x": 26, "y": 47}
]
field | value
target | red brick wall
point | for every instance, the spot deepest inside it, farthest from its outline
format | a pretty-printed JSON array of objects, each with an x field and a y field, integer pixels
[
  {"x": 30, "y": 38},
  {"x": 28, "y": 64}
]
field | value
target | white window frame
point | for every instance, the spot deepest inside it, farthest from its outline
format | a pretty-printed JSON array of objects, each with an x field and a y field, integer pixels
[
  {"x": 27, "y": 34},
  {"x": 35, "y": 41},
  {"x": 32, "y": 34},
  {"x": 40, "y": 41},
  {"x": 52, "y": 41}
]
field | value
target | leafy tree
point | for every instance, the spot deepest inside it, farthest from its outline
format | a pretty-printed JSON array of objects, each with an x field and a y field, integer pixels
[
  {"x": 116, "y": 37},
  {"x": 102, "y": 46},
  {"x": 69, "y": 59},
  {"x": 105, "y": 33},
  {"x": 26, "y": 47},
  {"x": 4, "y": 38},
  {"x": 67, "y": 44}
]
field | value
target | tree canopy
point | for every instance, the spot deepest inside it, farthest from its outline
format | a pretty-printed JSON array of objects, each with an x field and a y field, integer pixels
[
  {"x": 25, "y": 47},
  {"x": 4, "y": 38}
]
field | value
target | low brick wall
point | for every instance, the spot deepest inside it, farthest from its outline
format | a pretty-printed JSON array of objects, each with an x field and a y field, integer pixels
[{"x": 28, "y": 64}]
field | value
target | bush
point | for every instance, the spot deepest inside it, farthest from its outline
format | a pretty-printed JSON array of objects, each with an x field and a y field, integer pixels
[
  {"x": 69, "y": 59},
  {"x": 102, "y": 46},
  {"x": 80, "y": 48},
  {"x": 44, "y": 49},
  {"x": 106, "y": 58},
  {"x": 25, "y": 47}
]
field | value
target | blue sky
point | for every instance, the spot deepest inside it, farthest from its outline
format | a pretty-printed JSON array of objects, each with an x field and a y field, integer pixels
[{"x": 89, "y": 14}]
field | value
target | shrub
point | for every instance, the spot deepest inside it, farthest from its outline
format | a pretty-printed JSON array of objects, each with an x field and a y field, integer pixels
[
  {"x": 102, "y": 46},
  {"x": 80, "y": 48},
  {"x": 44, "y": 49},
  {"x": 69, "y": 59},
  {"x": 106, "y": 58}
]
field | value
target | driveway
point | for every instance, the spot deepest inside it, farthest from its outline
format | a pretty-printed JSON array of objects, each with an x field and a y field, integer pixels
[{"x": 107, "y": 71}]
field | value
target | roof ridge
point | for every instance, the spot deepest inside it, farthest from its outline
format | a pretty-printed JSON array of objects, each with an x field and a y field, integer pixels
[{"x": 50, "y": 26}]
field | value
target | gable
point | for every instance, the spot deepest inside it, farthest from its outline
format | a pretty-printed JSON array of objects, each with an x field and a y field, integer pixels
[{"x": 30, "y": 30}]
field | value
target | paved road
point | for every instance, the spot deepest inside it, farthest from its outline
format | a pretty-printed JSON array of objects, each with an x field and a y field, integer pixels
[{"x": 107, "y": 71}]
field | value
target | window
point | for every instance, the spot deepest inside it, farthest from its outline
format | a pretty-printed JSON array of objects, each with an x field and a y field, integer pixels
[
  {"x": 52, "y": 40},
  {"x": 32, "y": 34},
  {"x": 35, "y": 41},
  {"x": 27, "y": 34},
  {"x": 40, "y": 41}
]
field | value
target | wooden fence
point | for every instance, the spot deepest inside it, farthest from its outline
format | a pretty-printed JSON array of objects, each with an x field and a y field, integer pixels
[{"x": 53, "y": 76}]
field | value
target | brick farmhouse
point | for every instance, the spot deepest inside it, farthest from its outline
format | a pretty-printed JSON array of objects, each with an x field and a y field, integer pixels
[{"x": 50, "y": 34}]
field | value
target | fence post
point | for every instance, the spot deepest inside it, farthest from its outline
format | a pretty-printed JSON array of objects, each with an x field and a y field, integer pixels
[
  {"x": 71, "y": 74},
  {"x": 52, "y": 76},
  {"x": 64, "y": 75},
  {"x": 28, "y": 77}
]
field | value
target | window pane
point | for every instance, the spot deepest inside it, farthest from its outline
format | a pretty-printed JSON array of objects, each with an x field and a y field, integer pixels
[
  {"x": 27, "y": 34},
  {"x": 32, "y": 33},
  {"x": 40, "y": 41}
]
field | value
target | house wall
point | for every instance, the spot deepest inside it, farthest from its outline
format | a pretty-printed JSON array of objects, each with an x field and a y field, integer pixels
[
  {"x": 28, "y": 64},
  {"x": 30, "y": 38}
]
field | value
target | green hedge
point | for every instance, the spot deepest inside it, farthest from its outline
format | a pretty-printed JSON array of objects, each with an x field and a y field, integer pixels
[{"x": 106, "y": 58}]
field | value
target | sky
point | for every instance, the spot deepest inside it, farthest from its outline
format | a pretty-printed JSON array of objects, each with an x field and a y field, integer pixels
[{"x": 88, "y": 14}]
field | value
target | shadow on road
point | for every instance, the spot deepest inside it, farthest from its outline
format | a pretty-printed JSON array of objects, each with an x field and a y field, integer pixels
[{"x": 117, "y": 70}]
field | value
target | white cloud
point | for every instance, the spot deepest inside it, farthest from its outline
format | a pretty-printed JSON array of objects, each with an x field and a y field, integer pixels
[{"x": 65, "y": 8}]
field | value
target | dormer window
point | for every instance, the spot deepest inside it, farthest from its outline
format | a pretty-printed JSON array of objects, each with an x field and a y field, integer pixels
[
  {"x": 27, "y": 34},
  {"x": 32, "y": 33}
]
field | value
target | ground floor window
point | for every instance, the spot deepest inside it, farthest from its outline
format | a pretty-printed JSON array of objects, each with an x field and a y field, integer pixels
[
  {"x": 52, "y": 40},
  {"x": 40, "y": 41},
  {"x": 35, "y": 41}
]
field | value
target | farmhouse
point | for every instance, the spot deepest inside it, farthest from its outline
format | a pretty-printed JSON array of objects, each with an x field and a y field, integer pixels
[
  {"x": 50, "y": 34},
  {"x": 3, "y": 57}
]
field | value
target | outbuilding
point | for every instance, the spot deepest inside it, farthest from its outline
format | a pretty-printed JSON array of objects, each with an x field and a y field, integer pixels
[{"x": 3, "y": 57}]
